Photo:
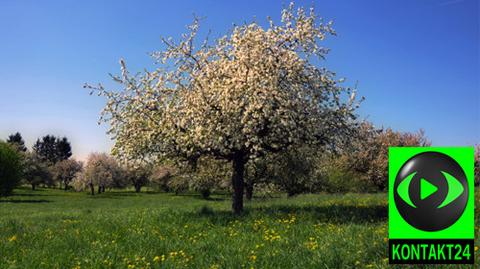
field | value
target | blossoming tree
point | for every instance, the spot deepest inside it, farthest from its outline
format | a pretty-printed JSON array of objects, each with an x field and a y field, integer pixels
[{"x": 253, "y": 91}]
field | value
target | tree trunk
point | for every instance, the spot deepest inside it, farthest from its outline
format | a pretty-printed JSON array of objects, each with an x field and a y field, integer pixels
[
  {"x": 92, "y": 189},
  {"x": 249, "y": 191},
  {"x": 138, "y": 187},
  {"x": 33, "y": 187},
  {"x": 66, "y": 186},
  {"x": 103, "y": 189},
  {"x": 237, "y": 183},
  {"x": 99, "y": 189}
]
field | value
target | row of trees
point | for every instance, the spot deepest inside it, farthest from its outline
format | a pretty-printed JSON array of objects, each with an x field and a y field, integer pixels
[
  {"x": 48, "y": 163},
  {"x": 361, "y": 167}
]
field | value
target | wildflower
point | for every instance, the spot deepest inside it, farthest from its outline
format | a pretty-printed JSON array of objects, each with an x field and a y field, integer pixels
[
  {"x": 156, "y": 259},
  {"x": 271, "y": 235},
  {"x": 253, "y": 257},
  {"x": 311, "y": 243},
  {"x": 13, "y": 238}
]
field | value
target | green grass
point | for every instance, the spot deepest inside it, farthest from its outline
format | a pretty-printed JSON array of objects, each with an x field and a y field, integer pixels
[{"x": 57, "y": 229}]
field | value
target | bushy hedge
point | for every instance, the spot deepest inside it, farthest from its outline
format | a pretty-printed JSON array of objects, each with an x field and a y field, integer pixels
[{"x": 10, "y": 168}]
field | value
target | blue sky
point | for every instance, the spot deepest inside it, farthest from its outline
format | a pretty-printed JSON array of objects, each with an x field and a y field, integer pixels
[{"x": 416, "y": 61}]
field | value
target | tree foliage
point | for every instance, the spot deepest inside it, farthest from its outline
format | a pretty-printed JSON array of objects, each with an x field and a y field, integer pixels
[
  {"x": 138, "y": 175},
  {"x": 10, "y": 168},
  {"x": 368, "y": 155},
  {"x": 65, "y": 171},
  {"x": 53, "y": 149},
  {"x": 253, "y": 91},
  {"x": 37, "y": 171},
  {"x": 17, "y": 140},
  {"x": 208, "y": 175},
  {"x": 100, "y": 170},
  {"x": 161, "y": 177}
]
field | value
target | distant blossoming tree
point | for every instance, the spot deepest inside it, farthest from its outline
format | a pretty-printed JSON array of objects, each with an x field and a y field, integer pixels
[
  {"x": 100, "y": 170},
  {"x": 64, "y": 171},
  {"x": 253, "y": 91},
  {"x": 368, "y": 154}
]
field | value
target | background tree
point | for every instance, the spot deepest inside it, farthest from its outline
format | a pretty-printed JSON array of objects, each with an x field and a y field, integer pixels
[
  {"x": 17, "y": 140},
  {"x": 257, "y": 171},
  {"x": 53, "y": 149},
  {"x": 63, "y": 149},
  {"x": 368, "y": 155},
  {"x": 161, "y": 176},
  {"x": 10, "y": 168},
  {"x": 208, "y": 175},
  {"x": 37, "y": 171},
  {"x": 65, "y": 171},
  {"x": 138, "y": 175},
  {"x": 101, "y": 170},
  {"x": 253, "y": 91},
  {"x": 45, "y": 148},
  {"x": 292, "y": 171}
]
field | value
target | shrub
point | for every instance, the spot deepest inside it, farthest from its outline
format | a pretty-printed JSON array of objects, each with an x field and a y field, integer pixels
[
  {"x": 266, "y": 190},
  {"x": 293, "y": 170},
  {"x": 335, "y": 175},
  {"x": 79, "y": 183},
  {"x": 10, "y": 168},
  {"x": 180, "y": 184},
  {"x": 208, "y": 176}
]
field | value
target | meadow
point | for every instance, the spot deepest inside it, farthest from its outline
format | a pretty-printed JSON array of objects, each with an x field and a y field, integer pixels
[{"x": 121, "y": 229}]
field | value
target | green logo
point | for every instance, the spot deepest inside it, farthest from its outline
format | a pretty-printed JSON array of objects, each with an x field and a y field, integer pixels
[{"x": 431, "y": 198}]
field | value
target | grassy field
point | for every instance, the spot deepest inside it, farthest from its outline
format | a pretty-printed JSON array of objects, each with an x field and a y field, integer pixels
[{"x": 57, "y": 229}]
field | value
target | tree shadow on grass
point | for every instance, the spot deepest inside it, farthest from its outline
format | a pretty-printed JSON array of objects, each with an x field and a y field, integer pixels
[
  {"x": 335, "y": 214},
  {"x": 30, "y": 194},
  {"x": 213, "y": 197},
  {"x": 15, "y": 201},
  {"x": 130, "y": 193}
]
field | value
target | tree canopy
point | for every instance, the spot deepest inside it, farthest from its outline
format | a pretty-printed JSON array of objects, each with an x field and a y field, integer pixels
[
  {"x": 253, "y": 91},
  {"x": 53, "y": 149},
  {"x": 10, "y": 168},
  {"x": 17, "y": 140}
]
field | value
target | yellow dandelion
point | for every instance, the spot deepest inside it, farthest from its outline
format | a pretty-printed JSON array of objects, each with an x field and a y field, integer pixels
[{"x": 13, "y": 238}]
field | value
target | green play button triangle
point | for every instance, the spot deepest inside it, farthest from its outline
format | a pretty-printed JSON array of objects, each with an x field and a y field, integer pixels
[{"x": 426, "y": 188}]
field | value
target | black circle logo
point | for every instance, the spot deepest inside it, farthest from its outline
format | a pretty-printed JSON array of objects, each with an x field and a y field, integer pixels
[{"x": 431, "y": 191}]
